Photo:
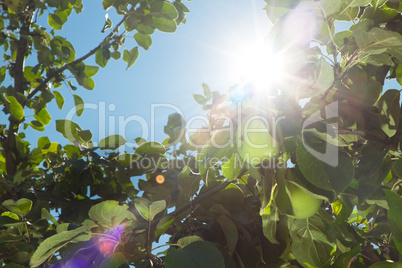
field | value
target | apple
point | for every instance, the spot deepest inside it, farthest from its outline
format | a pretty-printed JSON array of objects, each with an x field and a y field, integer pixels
[
  {"x": 254, "y": 142},
  {"x": 304, "y": 204}
]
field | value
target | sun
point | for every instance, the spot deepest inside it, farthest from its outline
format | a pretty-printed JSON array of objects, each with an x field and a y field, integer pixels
[{"x": 260, "y": 66}]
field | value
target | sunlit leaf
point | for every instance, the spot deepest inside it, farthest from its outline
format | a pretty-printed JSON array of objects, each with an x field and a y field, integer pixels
[
  {"x": 109, "y": 213},
  {"x": 187, "y": 240},
  {"x": 69, "y": 129},
  {"x": 200, "y": 99},
  {"x": 108, "y": 23},
  {"x": 20, "y": 207},
  {"x": 112, "y": 142},
  {"x": 148, "y": 210},
  {"x": 59, "y": 99},
  {"x": 130, "y": 56},
  {"x": 152, "y": 147},
  {"x": 390, "y": 109},
  {"x": 165, "y": 25},
  {"x": 230, "y": 230},
  {"x": 143, "y": 40},
  {"x": 310, "y": 243},
  {"x": 52, "y": 244},
  {"x": 163, "y": 225},
  {"x": 231, "y": 168},
  {"x": 394, "y": 217},
  {"x": 43, "y": 117},
  {"x": 322, "y": 174},
  {"x": 79, "y": 104},
  {"x": 16, "y": 109}
]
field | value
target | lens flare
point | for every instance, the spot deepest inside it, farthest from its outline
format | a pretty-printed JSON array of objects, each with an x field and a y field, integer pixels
[
  {"x": 260, "y": 67},
  {"x": 95, "y": 251},
  {"x": 160, "y": 179}
]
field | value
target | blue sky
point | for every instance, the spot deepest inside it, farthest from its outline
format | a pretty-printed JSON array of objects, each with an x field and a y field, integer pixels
[
  {"x": 176, "y": 65},
  {"x": 201, "y": 51}
]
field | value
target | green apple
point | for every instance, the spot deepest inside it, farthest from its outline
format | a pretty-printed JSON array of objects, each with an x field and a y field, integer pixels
[
  {"x": 254, "y": 142},
  {"x": 304, "y": 204}
]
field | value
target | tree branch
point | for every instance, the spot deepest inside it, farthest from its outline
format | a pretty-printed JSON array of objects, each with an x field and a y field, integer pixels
[
  {"x": 10, "y": 147},
  {"x": 44, "y": 83},
  {"x": 60, "y": 200}
]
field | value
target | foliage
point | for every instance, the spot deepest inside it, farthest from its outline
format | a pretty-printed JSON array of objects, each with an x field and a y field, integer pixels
[{"x": 342, "y": 147}]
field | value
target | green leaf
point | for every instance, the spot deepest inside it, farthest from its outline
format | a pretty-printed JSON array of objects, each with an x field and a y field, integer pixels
[
  {"x": 207, "y": 92},
  {"x": 79, "y": 104},
  {"x": 45, "y": 214},
  {"x": 52, "y": 244},
  {"x": 322, "y": 78},
  {"x": 189, "y": 184},
  {"x": 109, "y": 213},
  {"x": 276, "y": 9},
  {"x": 145, "y": 29},
  {"x": 36, "y": 125},
  {"x": 112, "y": 142},
  {"x": 108, "y": 23},
  {"x": 347, "y": 13},
  {"x": 323, "y": 175},
  {"x": 398, "y": 167},
  {"x": 310, "y": 244},
  {"x": 165, "y": 10},
  {"x": 187, "y": 240},
  {"x": 198, "y": 254},
  {"x": 368, "y": 185},
  {"x": 131, "y": 23},
  {"x": 20, "y": 207},
  {"x": 90, "y": 70},
  {"x": 200, "y": 99},
  {"x": 59, "y": 99},
  {"x": 107, "y": 4},
  {"x": 100, "y": 57},
  {"x": 231, "y": 168},
  {"x": 347, "y": 257},
  {"x": 165, "y": 25},
  {"x": 269, "y": 224},
  {"x": 55, "y": 21},
  {"x": 43, "y": 117},
  {"x": 43, "y": 142},
  {"x": 325, "y": 75},
  {"x": 116, "y": 260},
  {"x": 151, "y": 147},
  {"x": 230, "y": 230},
  {"x": 130, "y": 56},
  {"x": 2, "y": 73},
  {"x": 16, "y": 109},
  {"x": 163, "y": 225},
  {"x": 155, "y": 208},
  {"x": 394, "y": 217},
  {"x": 357, "y": 3},
  {"x": 143, "y": 40},
  {"x": 329, "y": 7},
  {"x": 69, "y": 129},
  {"x": 148, "y": 210},
  {"x": 85, "y": 135},
  {"x": 390, "y": 109},
  {"x": 175, "y": 127}
]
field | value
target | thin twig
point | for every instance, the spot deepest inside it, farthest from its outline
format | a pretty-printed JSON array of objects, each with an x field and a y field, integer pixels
[{"x": 44, "y": 83}]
